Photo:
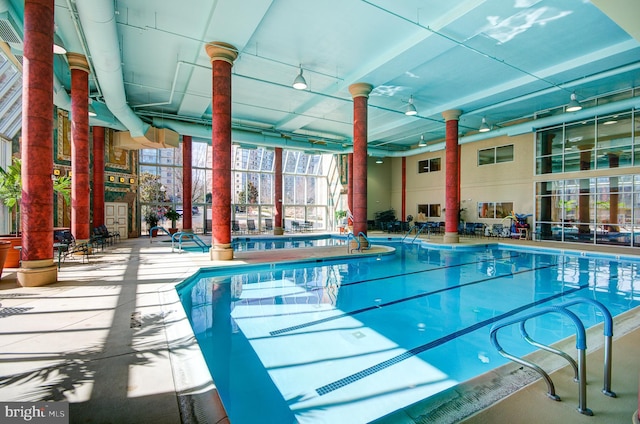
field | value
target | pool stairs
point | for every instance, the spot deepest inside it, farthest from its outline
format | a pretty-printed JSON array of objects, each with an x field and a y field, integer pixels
[{"x": 581, "y": 346}]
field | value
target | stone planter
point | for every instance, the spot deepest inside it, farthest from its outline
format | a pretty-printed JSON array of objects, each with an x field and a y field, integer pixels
[
  {"x": 13, "y": 254},
  {"x": 5, "y": 246}
]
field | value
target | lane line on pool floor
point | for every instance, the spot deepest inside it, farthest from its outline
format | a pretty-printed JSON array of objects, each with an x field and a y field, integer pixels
[
  {"x": 406, "y": 299},
  {"x": 435, "y": 343}
]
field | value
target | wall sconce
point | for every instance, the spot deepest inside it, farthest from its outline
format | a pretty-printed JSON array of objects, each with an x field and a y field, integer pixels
[
  {"x": 69, "y": 174},
  {"x": 56, "y": 172},
  {"x": 132, "y": 181},
  {"x": 112, "y": 178},
  {"x": 121, "y": 179}
]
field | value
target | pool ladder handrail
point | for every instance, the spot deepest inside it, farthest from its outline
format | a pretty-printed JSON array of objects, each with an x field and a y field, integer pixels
[
  {"x": 581, "y": 346},
  {"x": 181, "y": 235},
  {"x": 157, "y": 227},
  {"x": 350, "y": 236},
  {"x": 419, "y": 229}
]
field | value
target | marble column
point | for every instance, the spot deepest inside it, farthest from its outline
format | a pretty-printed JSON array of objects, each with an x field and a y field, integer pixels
[
  {"x": 452, "y": 176},
  {"x": 278, "y": 225},
  {"x": 187, "y": 184},
  {"x": 222, "y": 56},
  {"x": 80, "y": 200},
  {"x": 37, "y": 266},
  {"x": 98, "y": 176},
  {"x": 360, "y": 93},
  {"x": 350, "y": 188}
]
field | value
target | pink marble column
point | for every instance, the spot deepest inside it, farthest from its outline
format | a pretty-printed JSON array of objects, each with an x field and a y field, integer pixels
[
  {"x": 187, "y": 184},
  {"x": 80, "y": 200},
  {"x": 360, "y": 93},
  {"x": 278, "y": 227},
  {"x": 37, "y": 267},
  {"x": 452, "y": 176},
  {"x": 98, "y": 176},
  {"x": 222, "y": 56},
  {"x": 350, "y": 187}
]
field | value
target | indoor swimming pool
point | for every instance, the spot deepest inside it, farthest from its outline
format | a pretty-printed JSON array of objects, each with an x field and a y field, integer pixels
[{"x": 350, "y": 341}]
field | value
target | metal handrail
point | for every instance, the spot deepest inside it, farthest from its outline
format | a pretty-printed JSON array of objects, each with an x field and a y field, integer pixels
[
  {"x": 181, "y": 235},
  {"x": 608, "y": 339},
  {"x": 364, "y": 236},
  {"x": 409, "y": 232},
  {"x": 357, "y": 240},
  {"x": 158, "y": 227},
  {"x": 581, "y": 346},
  {"x": 422, "y": 227}
]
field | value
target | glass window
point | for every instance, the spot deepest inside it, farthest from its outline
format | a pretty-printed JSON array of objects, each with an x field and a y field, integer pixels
[
  {"x": 486, "y": 156},
  {"x": 429, "y": 210},
  {"x": 493, "y": 155},
  {"x": 504, "y": 154},
  {"x": 429, "y": 165}
]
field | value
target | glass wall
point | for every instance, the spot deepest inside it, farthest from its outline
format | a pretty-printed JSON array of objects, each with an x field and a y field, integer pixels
[
  {"x": 603, "y": 210},
  {"x": 601, "y": 205},
  {"x": 602, "y": 143},
  {"x": 305, "y": 187}
]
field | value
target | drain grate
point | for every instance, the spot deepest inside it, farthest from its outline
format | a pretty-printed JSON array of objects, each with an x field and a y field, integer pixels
[
  {"x": 136, "y": 320},
  {"x": 7, "y": 312}
]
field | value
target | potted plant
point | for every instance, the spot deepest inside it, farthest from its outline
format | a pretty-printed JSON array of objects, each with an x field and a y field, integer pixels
[
  {"x": 173, "y": 215},
  {"x": 11, "y": 195},
  {"x": 151, "y": 218}
]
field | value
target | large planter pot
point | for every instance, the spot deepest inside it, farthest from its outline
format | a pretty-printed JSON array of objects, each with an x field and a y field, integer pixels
[
  {"x": 13, "y": 254},
  {"x": 173, "y": 231},
  {"x": 5, "y": 246}
]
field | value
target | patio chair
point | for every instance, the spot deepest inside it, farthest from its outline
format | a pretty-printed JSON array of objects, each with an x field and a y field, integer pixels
[
  {"x": 235, "y": 227},
  {"x": 251, "y": 226},
  {"x": 268, "y": 224}
]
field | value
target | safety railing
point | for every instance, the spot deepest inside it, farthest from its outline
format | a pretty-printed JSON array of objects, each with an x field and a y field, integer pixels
[
  {"x": 579, "y": 367},
  {"x": 364, "y": 236},
  {"x": 419, "y": 229},
  {"x": 351, "y": 236},
  {"x": 157, "y": 228},
  {"x": 181, "y": 236}
]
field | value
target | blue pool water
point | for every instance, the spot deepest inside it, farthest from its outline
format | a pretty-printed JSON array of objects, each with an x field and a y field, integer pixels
[
  {"x": 353, "y": 340},
  {"x": 241, "y": 244}
]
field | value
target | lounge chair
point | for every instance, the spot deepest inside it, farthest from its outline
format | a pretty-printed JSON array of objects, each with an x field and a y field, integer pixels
[{"x": 268, "y": 224}]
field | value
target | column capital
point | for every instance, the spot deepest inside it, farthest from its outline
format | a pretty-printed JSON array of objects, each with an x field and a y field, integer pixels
[
  {"x": 451, "y": 114},
  {"x": 78, "y": 61},
  {"x": 360, "y": 89},
  {"x": 218, "y": 50}
]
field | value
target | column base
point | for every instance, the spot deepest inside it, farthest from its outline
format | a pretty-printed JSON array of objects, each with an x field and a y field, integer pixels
[
  {"x": 278, "y": 231},
  {"x": 221, "y": 252},
  {"x": 451, "y": 238},
  {"x": 37, "y": 273},
  {"x": 187, "y": 230}
]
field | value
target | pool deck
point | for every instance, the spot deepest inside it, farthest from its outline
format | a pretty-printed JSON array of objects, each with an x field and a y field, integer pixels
[{"x": 111, "y": 337}]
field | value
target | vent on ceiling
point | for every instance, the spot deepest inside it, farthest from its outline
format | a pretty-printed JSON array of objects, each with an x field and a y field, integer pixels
[{"x": 9, "y": 31}]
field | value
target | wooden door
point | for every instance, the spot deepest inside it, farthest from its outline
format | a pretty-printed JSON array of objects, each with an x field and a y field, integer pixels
[{"x": 116, "y": 217}]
